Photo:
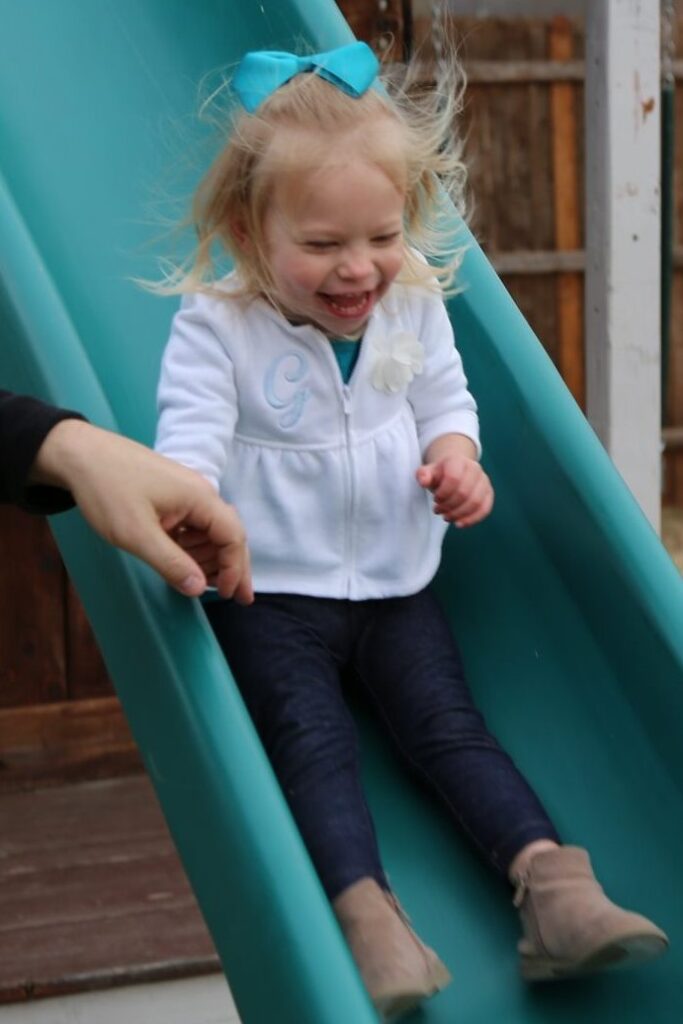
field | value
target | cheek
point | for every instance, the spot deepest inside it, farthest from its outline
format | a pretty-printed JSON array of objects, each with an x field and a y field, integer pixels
[
  {"x": 303, "y": 274},
  {"x": 284, "y": 274},
  {"x": 393, "y": 263}
]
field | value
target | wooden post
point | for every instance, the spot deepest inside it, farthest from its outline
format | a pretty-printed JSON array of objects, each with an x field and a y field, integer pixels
[
  {"x": 567, "y": 211},
  {"x": 622, "y": 239}
]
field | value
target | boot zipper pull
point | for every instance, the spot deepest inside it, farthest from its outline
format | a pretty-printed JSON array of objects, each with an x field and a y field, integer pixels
[{"x": 521, "y": 888}]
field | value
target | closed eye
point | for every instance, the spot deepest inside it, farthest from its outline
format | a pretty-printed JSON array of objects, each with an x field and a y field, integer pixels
[
  {"x": 386, "y": 239},
  {"x": 319, "y": 244}
]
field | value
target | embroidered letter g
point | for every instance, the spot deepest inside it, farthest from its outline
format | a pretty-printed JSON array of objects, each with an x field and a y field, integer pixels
[{"x": 287, "y": 370}]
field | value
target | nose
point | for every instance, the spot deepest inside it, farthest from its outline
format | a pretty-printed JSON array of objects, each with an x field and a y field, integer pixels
[{"x": 355, "y": 264}]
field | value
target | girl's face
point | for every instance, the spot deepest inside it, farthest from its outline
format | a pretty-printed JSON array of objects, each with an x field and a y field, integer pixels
[{"x": 334, "y": 244}]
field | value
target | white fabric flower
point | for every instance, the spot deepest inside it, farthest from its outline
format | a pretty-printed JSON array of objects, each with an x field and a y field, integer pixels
[{"x": 400, "y": 357}]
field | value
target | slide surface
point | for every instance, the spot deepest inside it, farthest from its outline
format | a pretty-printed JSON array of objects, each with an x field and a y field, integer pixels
[{"x": 569, "y": 612}]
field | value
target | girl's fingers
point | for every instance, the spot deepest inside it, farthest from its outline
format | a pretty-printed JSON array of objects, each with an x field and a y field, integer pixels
[
  {"x": 457, "y": 502},
  {"x": 234, "y": 575},
  {"x": 468, "y": 509},
  {"x": 477, "y": 514},
  {"x": 429, "y": 476},
  {"x": 204, "y": 553},
  {"x": 459, "y": 484},
  {"x": 188, "y": 538}
]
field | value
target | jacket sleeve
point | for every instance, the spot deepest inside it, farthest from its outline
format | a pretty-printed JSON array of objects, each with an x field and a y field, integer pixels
[
  {"x": 24, "y": 424},
  {"x": 439, "y": 396},
  {"x": 197, "y": 400}
]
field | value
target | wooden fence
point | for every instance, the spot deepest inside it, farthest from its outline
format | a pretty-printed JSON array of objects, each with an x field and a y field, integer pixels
[{"x": 524, "y": 131}]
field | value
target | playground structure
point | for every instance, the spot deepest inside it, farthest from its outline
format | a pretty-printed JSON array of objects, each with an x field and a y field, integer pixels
[{"x": 571, "y": 619}]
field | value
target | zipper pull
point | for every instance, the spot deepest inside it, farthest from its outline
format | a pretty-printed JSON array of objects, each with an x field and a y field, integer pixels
[
  {"x": 521, "y": 889},
  {"x": 346, "y": 397}
]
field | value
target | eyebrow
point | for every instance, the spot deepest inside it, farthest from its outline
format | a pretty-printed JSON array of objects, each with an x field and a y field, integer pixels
[{"x": 315, "y": 229}]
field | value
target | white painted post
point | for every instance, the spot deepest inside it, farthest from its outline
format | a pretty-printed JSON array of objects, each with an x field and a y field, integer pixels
[{"x": 623, "y": 239}]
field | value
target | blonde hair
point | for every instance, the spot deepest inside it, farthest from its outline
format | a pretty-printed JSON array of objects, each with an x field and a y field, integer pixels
[{"x": 420, "y": 153}]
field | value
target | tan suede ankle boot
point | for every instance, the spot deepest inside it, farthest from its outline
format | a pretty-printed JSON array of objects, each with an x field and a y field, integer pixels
[
  {"x": 569, "y": 925},
  {"x": 399, "y": 971}
]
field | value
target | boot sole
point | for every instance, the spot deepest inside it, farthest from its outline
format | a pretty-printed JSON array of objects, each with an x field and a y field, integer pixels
[
  {"x": 627, "y": 952},
  {"x": 391, "y": 1007}
]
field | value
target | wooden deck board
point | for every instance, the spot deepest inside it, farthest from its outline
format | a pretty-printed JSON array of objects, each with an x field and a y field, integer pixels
[{"x": 92, "y": 893}]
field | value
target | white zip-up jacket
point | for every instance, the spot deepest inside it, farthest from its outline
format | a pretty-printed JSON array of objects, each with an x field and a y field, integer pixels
[{"x": 321, "y": 473}]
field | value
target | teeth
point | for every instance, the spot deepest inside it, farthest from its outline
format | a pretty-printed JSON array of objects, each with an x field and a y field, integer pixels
[{"x": 348, "y": 305}]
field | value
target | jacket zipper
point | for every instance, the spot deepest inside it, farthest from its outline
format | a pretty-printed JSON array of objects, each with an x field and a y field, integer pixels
[
  {"x": 346, "y": 403},
  {"x": 349, "y": 552}
]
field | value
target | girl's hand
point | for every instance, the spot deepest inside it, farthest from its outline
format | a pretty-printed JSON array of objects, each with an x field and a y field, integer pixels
[
  {"x": 462, "y": 491},
  {"x": 230, "y": 575}
]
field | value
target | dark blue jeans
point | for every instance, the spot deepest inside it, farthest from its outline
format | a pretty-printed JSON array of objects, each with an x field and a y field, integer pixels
[{"x": 289, "y": 655}]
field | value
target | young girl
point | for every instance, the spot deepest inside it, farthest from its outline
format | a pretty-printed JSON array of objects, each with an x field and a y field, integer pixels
[{"x": 318, "y": 388}]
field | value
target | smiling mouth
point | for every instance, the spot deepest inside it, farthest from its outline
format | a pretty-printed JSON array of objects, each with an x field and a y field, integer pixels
[{"x": 351, "y": 304}]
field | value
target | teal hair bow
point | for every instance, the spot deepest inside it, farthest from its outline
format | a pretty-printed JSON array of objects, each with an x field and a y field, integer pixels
[{"x": 352, "y": 68}]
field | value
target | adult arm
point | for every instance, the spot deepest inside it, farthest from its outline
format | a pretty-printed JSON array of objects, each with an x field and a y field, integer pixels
[
  {"x": 51, "y": 459},
  {"x": 24, "y": 424},
  {"x": 135, "y": 498}
]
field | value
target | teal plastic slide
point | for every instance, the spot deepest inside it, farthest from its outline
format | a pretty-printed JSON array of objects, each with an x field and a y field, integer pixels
[{"x": 569, "y": 611}]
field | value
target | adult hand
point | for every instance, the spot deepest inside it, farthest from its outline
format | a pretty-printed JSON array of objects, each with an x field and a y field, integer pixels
[{"x": 136, "y": 498}]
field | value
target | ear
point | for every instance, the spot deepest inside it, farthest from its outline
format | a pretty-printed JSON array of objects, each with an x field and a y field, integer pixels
[{"x": 239, "y": 233}]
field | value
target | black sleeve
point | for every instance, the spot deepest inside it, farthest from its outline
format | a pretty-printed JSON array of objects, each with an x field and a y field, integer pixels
[{"x": 24, "y": 424}]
